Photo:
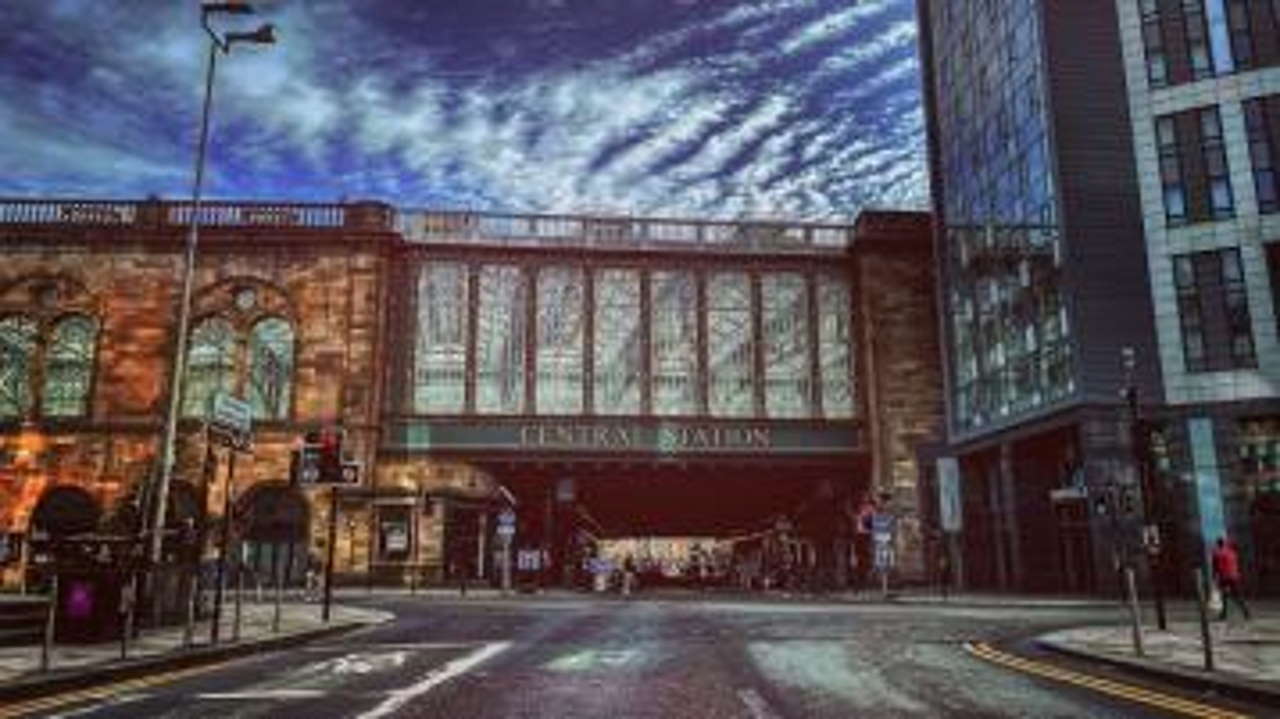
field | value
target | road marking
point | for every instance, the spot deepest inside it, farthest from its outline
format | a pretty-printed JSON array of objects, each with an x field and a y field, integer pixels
[
  {"x": 756, "y": 704},
  {"x": 434, "y": 678},
  {"x": 1130, "y": 692},
  {"x": 265, "y": 694},
  {"x": 104, "y": 691}
]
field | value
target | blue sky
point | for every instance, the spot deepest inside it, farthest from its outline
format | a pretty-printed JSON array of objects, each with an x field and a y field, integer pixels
[{"x": 755, "y": 108}]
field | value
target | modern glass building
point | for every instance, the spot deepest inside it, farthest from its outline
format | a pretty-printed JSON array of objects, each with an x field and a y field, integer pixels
[{"x": 1042, "y": 285}]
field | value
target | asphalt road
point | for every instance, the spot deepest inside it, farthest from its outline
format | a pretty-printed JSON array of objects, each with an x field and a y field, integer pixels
[{"x": 570, "y": 658}]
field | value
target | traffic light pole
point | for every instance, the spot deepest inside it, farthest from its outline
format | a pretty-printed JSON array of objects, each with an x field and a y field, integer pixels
[
  {"x": 1140, "y": 437},
  {"x": 328, "y": 565}
]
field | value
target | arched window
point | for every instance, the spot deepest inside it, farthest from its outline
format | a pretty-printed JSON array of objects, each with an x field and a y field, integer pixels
[
  {"x": 68, "y": 367},
  {"x": 17, "y": 353},
  {"x": 271, "y": 368},
  {"x": 210, "y": 365}
]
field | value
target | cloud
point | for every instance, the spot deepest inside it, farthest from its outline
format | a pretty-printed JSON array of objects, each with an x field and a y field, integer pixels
[{"x": 802, "y": 107}]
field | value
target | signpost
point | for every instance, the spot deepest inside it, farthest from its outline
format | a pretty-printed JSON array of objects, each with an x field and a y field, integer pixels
[
  {"x": 882, "y": 528},
  {"x": 506, "y": 530},
  {"x": 231, "y": 422}
]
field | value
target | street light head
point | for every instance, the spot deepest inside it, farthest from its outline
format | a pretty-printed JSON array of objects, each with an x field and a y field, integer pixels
[
  {"x": 231, "y": 8},
  {"x": 264, "y": 35}
]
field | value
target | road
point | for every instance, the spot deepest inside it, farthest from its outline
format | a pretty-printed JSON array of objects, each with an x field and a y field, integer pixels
[{"x": 705, "y": 658}]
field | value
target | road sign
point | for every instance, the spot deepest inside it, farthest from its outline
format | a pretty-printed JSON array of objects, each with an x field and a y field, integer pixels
[
  {"x": 882, "y": 523},
  {"x": 881, "y": 537},
  {"x": 231, "y": 413},
  {"x": 884, "y": 556},
  {"x": 506, "y": 530},
  {"x": 506, "y": 517}
]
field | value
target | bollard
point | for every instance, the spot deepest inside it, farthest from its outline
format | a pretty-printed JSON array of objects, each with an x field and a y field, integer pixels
[
  {"x": 1206, "y": 639},
  {"x": 1134, "y": 613},
  {"x": 235, "y": 627},
  {"x": 275, "y": 615},
  {"x": 128, "y": 595},
  {"x": 46, "y": 648}
]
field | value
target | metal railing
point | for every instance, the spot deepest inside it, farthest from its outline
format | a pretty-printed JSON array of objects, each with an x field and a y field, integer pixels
[
  {"x": 475, "y": 228},
  {"x": 447, "y": 227},
  {"x": 142, "y": 212}
]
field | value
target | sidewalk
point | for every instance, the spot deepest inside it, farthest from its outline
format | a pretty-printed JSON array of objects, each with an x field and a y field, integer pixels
[
  {"x": 1246, "y": 654},
  {"x": 79, "y": 665}
]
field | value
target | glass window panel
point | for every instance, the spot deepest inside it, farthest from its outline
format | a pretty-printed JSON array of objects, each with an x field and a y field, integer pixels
[
  {"x": 835, "y": 343},
  {"x": 559, "y": 341},
  {"x": 674, "y": 342},
  {"x": 440, "y": 359},
  {"x": 271, "y": 368},
  {"x": 501, "y": 338},
  {"x": 210, "y": 365},
  {"x": 617, "y": 360},
  {"x": 69, "y": 367},
  {"x": 730, "y": 345},
  {"x": 18, "y": 345},
  {"x": 786, "y": 343}
]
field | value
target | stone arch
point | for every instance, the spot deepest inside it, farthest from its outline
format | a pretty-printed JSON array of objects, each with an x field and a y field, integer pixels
[
  {"x": 274, "y": 520},
  {"x": 226, "y": 297},
  {"x": 65, "y": 510}
]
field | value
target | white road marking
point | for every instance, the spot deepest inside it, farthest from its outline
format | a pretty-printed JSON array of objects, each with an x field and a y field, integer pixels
[
  {"x": 756, "y": 704},
  {"x": 265, "y": 694},
  {"x": 112, "y": 702},
  {"x": 434, "y": 678}
]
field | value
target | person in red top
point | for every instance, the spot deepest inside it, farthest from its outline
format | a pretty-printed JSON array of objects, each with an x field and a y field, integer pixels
[{"x": 1226, "y": 569}]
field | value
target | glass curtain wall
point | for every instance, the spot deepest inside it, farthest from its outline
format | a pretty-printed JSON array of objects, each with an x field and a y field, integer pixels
[
  {"x": 674, "y": 343},
  {"x": 617, "y": 342},
  {"x": 834, "y": 342},
  {"x": 560, "y": 340},
  {"x": 730, "y": 345},
  {"x": 501, "y": 339},
  {"x": 440, "y": 361},
  {"x": 787, "y": 375},
  {"x": 1009, "y": 347}
]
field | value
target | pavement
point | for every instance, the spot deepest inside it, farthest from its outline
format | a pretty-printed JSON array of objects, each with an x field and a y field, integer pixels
[
  {"x": 1246, "y": 655},
  {"x": 74, "y": 665}
]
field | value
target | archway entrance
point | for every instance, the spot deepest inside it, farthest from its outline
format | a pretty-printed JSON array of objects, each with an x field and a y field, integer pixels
[
  {"x": 274, "y": 520},
  {"x": 64, "y": 511}
]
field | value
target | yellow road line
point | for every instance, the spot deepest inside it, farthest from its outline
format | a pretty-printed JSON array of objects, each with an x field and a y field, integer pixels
[
  {"x": 1106, "y": 686},
  {"x": 32, "y": 706}
]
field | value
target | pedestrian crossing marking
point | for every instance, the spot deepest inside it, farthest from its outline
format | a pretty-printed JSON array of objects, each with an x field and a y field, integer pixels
[{"x": 1130, "y": 692}]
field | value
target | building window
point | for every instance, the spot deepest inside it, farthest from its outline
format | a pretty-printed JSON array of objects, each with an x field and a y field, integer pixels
[
  {"x": 1213, "y": 309},
  {"x": 440, "y": 360},
  {"x": 1262, "y": 149},
  {"x": 1197, "y": 37},
  {"x": 1213, "y": 150},
  {"x": 1153, "y": 42},
  {"x": 18, "y": 346},
  {"x": 730, "y": 345},
  {"x": 560, "y": 338},
  {"x": 57, "y": 358},
  {"x": 68, "y": 367},
  {"x": 617, "y": 357},
  {"x": 501, "y": 339},
  {"x": 211, "y": 365},
  {"x": 674, "y": 342},
  {"x": 1238, "y": 25},
  {"x": 270, "y": 368},
  {"x": 1174, "y": 189}
]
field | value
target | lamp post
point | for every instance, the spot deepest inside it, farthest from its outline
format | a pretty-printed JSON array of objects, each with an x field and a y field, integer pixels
[
  {"x": 265, "y": 34},
  {"x": 1139, "y": 434}
]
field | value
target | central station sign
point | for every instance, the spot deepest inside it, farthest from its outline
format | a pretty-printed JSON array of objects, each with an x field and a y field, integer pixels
[{"x": 658, "y": 437}]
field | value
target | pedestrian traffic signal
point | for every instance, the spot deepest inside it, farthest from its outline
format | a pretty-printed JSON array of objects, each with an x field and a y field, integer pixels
[
  {"x": 319, "y": 460},
  {"x": 330, "y": 462}
]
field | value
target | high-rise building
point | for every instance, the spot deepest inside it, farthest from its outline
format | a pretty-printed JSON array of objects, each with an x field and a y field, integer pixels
[
  {"x": 1042, "y": 286},
  {"x": 1204, "y": 102},
  {"x": 1104, "y": 176}
]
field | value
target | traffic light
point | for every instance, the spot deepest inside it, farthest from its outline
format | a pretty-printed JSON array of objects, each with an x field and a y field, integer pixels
[
  {"x": 330, "y": 461},
  {"x": 305, "y": 467}
]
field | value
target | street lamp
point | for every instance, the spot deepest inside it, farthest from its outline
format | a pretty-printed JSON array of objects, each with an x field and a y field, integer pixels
[
  {"x": 264, "y": 35},
  {"x": 1139, "y": 434}
]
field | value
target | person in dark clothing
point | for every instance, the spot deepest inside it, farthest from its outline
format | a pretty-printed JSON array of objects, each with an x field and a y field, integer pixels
[{"x": 1226, "y": 570}]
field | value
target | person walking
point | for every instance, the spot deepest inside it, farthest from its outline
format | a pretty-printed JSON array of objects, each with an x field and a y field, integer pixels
[{"x": 1226, "y": 570}]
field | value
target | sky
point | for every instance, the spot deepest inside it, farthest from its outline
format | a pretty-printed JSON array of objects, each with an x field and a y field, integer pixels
[{"x": 805, "y": 109}]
